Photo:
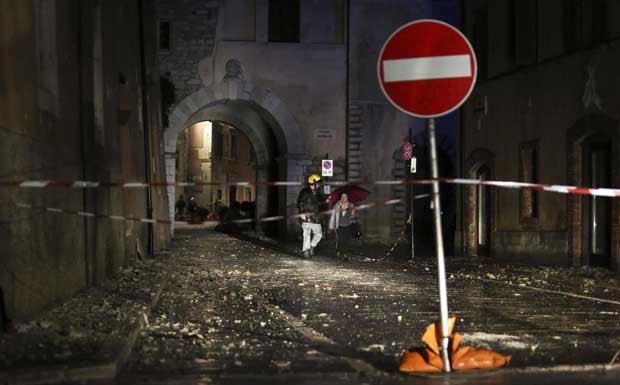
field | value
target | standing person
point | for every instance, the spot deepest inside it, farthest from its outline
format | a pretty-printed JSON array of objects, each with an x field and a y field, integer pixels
[
  {"x": 180, "y": 206},
  {"x": 309, "y": 203},
  {"x": 343, "y": 216}
]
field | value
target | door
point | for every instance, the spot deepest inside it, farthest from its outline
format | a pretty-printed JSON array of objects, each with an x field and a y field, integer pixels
[
  {"x": 483, "y": 212},
  {"x": 597, "y": 210},
  {"x": 232, "y": 195}
]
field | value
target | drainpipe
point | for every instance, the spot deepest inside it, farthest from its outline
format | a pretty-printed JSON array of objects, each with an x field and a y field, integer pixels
[
  {"x": 146, "y": 125},
  {"x": 461, "y": 157},
  {"x": 84, "y": 143},
  {"x": 346, "y": 106}
]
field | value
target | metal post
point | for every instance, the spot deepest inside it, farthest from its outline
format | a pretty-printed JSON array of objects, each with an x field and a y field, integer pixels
[
  {"x": 441, "y": 269},
  {"x": 412, "y": 189},
  {"x": 411, "y": 219}
]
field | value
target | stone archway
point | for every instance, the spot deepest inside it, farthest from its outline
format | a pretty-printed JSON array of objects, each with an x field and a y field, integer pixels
[{"x": 261, "y": 115}]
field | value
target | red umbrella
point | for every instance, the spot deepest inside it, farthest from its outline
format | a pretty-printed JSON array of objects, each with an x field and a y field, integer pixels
[{"x": 355, "y": 193}]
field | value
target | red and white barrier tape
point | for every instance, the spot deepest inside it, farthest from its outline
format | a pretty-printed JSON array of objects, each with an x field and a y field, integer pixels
[
  {"x": 92, "y": 215},
  {"x": 214, "y": 223},
  {"x": 606, "y": 192}
]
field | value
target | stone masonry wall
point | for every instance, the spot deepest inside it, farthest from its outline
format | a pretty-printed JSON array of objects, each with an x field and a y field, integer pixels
[{"x": 193, "y": 29}]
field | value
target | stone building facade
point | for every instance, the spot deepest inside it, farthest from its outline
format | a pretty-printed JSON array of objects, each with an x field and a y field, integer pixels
[
  {"x": 80, "y": 91},
  {"x": 298, "y": 78},
  {"x": 544, "y": 112}
]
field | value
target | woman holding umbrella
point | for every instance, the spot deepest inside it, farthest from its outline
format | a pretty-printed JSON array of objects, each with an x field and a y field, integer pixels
[{"x": 343, "y": 216}]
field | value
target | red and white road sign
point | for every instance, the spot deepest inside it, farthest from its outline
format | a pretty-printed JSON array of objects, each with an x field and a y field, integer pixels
[
  {"x": 407, "y": 151},
  {"x": 427, "y": 68}
]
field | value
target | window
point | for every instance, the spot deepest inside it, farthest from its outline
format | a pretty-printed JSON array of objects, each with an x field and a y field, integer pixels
[
  {"x": 572, "y": 13},
  {"x": 284, "y": 21},
  {"x": 47, "y": 55},
  {"x": 600, "y": 26},
  {"x": 511, "y": 46},
  {"x": 165, "y": 35},
  {"x": 528, "y": 173},
  {"x": 526, "y": 24},
  {"x": 481, "y": 39},
  {"x": 248, "y": 194}
]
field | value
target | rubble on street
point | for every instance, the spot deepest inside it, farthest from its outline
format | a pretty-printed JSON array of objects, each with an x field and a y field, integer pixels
[{"x": 219, "y": 307}]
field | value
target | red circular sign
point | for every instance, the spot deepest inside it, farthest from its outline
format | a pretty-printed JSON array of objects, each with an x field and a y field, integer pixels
[{"x": 427, "y": 68}]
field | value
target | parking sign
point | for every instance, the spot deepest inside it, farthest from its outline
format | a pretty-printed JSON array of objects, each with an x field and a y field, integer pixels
[{"x": 327, "y": 167}]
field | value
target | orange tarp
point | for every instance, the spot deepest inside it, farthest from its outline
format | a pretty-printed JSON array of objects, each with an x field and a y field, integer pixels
[{"x": 464, "y": 358}]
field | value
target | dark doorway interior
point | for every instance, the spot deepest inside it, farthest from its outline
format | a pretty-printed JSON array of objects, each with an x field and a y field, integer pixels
[
  {"x": 597, "y": 210},
  {"x": 483, "y": 212}
]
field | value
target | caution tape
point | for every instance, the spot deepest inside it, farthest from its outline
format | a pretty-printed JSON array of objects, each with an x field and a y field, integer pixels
[
  {"x": 91, "y": 215},
  {"x": 168, "y": 222},
  {"x": 605, "y": 192},
  {"x": 214, "y": 223}
]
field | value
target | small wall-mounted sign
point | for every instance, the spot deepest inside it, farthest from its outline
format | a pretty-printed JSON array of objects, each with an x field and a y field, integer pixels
[
  {"x": 327, "y": 167},
  {"x": 407, "y": 150},
  {"x": 324, "y": 134}
]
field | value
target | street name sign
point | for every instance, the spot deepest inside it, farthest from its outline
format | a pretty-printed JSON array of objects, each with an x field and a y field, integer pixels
[{"x": 427, "y": 68}]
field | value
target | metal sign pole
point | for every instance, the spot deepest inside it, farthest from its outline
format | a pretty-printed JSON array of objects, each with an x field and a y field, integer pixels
[
  {"x": 411, "y": 219},
  {"x": 441, "y": 269}
]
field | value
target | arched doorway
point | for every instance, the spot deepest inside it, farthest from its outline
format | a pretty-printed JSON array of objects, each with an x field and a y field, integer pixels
[
  {"x": 479, "y": 205},
  {"x": 596, "y": 166},
  {"x": 593, "y": 161}
]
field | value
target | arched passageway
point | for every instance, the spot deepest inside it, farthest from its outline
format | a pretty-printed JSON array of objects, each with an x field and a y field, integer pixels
[
  {"x": 261, "y": 116},
  {"x": 269, "y": 145}
]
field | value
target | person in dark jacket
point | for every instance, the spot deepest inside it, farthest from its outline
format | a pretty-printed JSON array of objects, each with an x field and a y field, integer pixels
[{"x": 310, "y": 201}]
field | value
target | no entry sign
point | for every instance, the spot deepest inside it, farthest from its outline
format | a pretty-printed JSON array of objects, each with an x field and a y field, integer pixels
[{"x": 427, "y": 68}]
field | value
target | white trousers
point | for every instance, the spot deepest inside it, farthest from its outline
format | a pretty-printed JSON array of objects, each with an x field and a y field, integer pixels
[{"x": 312, "y": 235}]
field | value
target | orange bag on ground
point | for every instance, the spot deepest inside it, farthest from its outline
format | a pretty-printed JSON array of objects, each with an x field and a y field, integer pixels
[{"x": 465, "y": 358}]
